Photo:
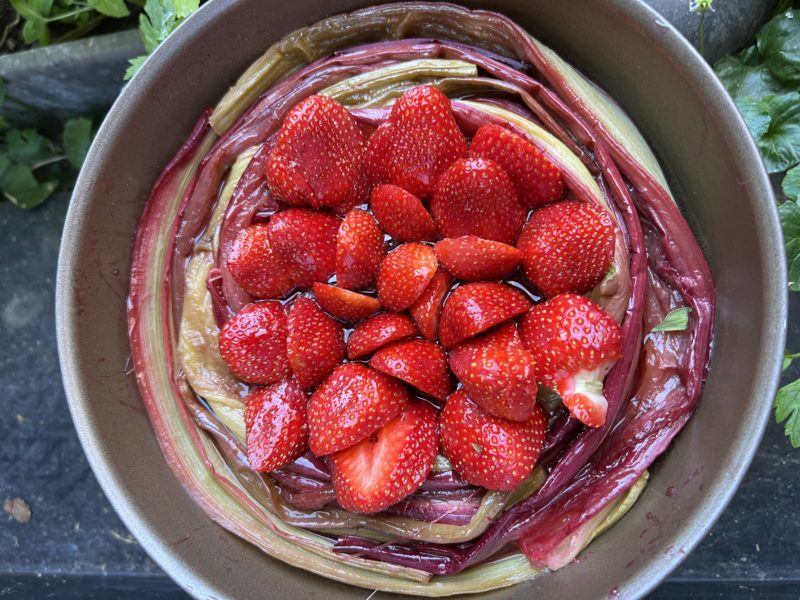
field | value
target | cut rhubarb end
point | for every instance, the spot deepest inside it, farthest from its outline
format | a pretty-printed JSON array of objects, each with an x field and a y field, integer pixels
[{"x": 583, "y": 396}]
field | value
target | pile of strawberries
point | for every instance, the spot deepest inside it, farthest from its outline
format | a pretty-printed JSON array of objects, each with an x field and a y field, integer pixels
[{"x": 432, "y": 226}]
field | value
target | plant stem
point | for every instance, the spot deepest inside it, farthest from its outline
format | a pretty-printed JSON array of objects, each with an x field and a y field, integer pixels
[
  {"x": 703, "y": 34},
  {"x": 80, "y": 30}
]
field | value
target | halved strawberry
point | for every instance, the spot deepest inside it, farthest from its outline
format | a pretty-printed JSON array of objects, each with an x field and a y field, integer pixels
[
  {"x": 404, "y": 275},
  {"x": 476, "y": 197},
  {"x": 389, "y": 464},
  {"x": 307, "y": 239},
  {"x": 315, "y": 344},
  {"x": 497, "y": 372},
  {"x": 472, "y": 259},
  {"x": 490, "y": 451},
  {"x": 344, "y": 304},
  {"x": 253, "y": 343},
  {"x": 256, "y": 268},
  {"x": 574, "y": 343},
  {"x": 401, "y": 214},
  {"x": 276, "y": 425},
  {"x": 359, "y": 250},
  {"x": 420, "y": 363},
  {"x": 318, "y": 158},
  {"x": 536, "y": 179},
  {"x": 567, "y": 247},
  {"x": 417, "y": 143},
  {"x": 475, "y": 307},
  {"x": 378, "y": 331},
  {"x": 428, "y": 307},
  {"x": 351, "y": 404}
]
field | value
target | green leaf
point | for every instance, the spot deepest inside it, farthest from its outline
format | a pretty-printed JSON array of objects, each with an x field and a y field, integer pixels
[
  {"x": 787, "y": 360},
  {"x": 742, "y": 78},
  {"x": 77, "y": 138},
  {"x": 787, "y": 408},
  {"x": 27, "y": 147},
  {"x": 183, "y": 8},
  {"x": 2, "y": 91},
  {"x": 3, "y": 123},
  {"x": 35, "y": 31},
  {"x": 4, "y": 164},
  {"x": 676, "y": 320},
  {"x": 110, "y": 8},
  {"x": 774, "y": 122},
  {"x": 135, "y": 65},
  {"x": 20, "y": 186},
  {"x": 790, "y": 221},
  {"x": 791, "y": 184},
  {"x": 157, "y": 22},
  {"x": 779, "y": 45}
]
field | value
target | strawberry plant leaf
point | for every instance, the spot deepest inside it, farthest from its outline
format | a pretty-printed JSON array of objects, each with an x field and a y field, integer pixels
[
  {"x": 779, "y": 45},
  {"x": 775, "y": 123},
  {"x": 21, "y": 187},
  {"x": 790, "y": 220},
  {"x": 110, "y": 8},
  {"x": 27, "y": 147},
  {"x": 76, "y": 139},
  {"x": 791, "y": 184},
  {"x": 746, "y": 76},
  {"x": 787, "y": 408}
]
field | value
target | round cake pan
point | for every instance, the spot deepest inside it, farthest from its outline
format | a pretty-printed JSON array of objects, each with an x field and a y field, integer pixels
[{"x": 714, "y": 169}]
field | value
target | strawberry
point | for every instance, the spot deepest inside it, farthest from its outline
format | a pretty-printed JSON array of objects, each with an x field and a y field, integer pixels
[
  {"x": 574, "y": 343},
  {"x": 378, "y": 331},
  {"x": 536, "y": 179},
  {"x": 404, "y": 275},
  {"x": 315, "y": 344},
  {"x": 253, "y": 343},
  {"x": 359, "y": 250},
  {"x": 567, "y": 247},
  {"x": 257, "y": 269},
  {"x": 388, "y": 465},
  {"x": 318, "y": 158},
  {"x": 401, "y": 214},
  {"x": 420, "y": 363},
  {"x": 307, "y": 238},
  {"x": 351, "y": 404},
  {"x": 476, "y": 197},
  {"x": 276, "y": 425},
  {"x": 344, "y": 304},
  {"x": 475, "y": 307},
  {"x": 497, "y": 372},
  {"x": 471, "y": 258},
  {"x": 428, "y": 307},
  {"x": 417, "y": 143},
  {"x": 490, "y": 451}
]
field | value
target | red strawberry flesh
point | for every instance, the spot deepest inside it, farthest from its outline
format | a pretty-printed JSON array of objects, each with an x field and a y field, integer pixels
[
  {"x": 307, "y": 239},
  {"x": 476, "y": 197},
  {"x": 417, "y": 143},
  {"x": 486, "y": 450},
  {"x": 420, "y": 363},
  {"x": 378, "y": 331},
  {"x": 351, "y": 404},
  {"x": 344, "y": 304},
  {"x": 276, "y": 425},
  {"x": 318, "y": 158},
  {"x": 388, "y": 465},
  {"x": 476, "y": 307},
  {"x": 537, "y": 180},
  {"x": 257, "y": 269},
  {"x": 427, "y": 309},
  {"x": 404, "y": 274},
  {"x": 315, "y": 344},
  {"x": 471, "y": 258},
  {"x": 359, "y": 250},
  {"x": 401, "y": 214},
  {"x": 253, "y": 343}
]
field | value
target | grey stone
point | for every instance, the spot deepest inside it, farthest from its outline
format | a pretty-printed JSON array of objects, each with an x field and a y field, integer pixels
[{"x": 68, "y": 80}]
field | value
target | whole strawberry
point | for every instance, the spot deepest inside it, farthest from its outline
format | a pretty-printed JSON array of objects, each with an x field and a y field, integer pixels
[
  {"x": 417, "y": 143},
  {"x": 253, "y": 343},
  {"x": 497, "y": 372},
  {"x": 567, "y": 247},
  {"x": 388, "y": 465},
  {"x": 536, "y": 179},
  {"x": 276, "y": 425},
  {"x": 490, "y": 451},
  {"x": 574, "y": 343},
  {"x": 476, "y": 197},
  {"x": 318, "y": 158},
  {"x": 257, "y": 269}
]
